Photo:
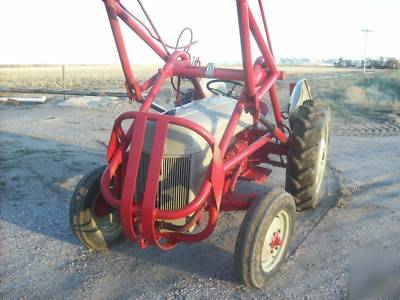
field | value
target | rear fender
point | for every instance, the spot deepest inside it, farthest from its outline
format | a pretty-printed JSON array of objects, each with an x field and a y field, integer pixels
[{"x": 299, "y": 94}]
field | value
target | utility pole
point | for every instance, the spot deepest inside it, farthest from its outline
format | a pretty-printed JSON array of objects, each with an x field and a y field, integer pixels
[{"x": 366, "y": 31}]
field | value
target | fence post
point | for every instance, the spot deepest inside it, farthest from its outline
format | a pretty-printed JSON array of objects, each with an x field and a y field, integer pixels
[{"x": 64, "y": 83}]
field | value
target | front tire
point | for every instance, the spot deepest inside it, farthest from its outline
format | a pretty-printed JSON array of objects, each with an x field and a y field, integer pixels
[
  {"x": 95, "y": 223},
  {"x": 264, "y": 238},
  {"x": 308, "y": 150}
]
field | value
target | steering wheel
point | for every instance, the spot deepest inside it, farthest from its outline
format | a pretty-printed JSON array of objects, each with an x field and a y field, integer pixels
[{"x": 228, "y": 93}]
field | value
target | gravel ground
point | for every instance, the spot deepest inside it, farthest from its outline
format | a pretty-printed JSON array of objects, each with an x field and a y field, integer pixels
[{"x": 46, "y": 149}]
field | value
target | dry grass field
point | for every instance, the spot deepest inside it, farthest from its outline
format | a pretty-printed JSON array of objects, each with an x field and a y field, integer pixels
[
  {"x": 344, "y": 88},
  {"x": 108, "y": 77},
  {"x": 373, "y": 95},
  {"x": 97, "y": 77}
]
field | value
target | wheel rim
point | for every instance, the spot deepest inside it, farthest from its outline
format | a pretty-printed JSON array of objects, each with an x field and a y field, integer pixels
[
  {"x": 275, "y": 242},
  {"x": 105, "y": 217},
  {"x": 321, "y": 162}
]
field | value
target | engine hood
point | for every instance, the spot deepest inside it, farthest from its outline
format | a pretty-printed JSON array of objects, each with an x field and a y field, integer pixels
[{"x": 212, "y": 113}]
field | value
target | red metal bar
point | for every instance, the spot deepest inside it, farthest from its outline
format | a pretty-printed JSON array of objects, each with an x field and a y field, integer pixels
[
  {"x": 244, "y": 28},
  {"x": 150, "y": 193},
  {"x": 182, "y": 69},
  {"x": 149, "y": 82},
  {"x": 260, "y": 4},
  {"x": 269, "y": 60},
  {"x": 108, "y": 174},
  {"x": 193, "y": 206},
  {"x": 233, "y": 121},
  {"x": 276, "y": 106},
  {"x": 164, "y": 74},
  {"x": 187, "y": 70},
  {"x": 266, "y": 86},
  {"x": 129, "y": 185},
  {"x": 123, "y": 56},
  {"x": 135, "y": 26},
  {"x": 193, "y": 238}
]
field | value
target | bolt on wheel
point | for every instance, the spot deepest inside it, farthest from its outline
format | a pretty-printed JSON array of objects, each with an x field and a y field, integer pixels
[{"x": 275, "y": 241}]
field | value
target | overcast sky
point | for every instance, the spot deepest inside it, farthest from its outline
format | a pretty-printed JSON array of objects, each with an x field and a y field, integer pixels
[{"x": 77, "y": 31}]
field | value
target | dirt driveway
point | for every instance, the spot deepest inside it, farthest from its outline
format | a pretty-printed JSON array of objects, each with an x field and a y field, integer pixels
[{"x": 45, "y": 150}]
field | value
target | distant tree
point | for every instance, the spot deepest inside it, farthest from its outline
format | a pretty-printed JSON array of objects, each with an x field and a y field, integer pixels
[
  {"x": 381, "y": 63},
  {"x": 348, "y": 63},
  {"x": 392, "y": 63},
  {"x": 339, "y": 63}
]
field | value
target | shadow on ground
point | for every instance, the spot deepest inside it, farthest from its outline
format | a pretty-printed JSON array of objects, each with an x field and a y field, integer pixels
[{"x": 38, "y": 177}]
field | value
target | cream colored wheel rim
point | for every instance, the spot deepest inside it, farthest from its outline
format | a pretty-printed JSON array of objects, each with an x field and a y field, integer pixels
[
  {"x": 272, "y": 253},
  {"x": 321, "y": 161}
]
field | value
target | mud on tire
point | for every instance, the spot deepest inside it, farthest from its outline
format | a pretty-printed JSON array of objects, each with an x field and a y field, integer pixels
[{"x": 308, "y": 145}]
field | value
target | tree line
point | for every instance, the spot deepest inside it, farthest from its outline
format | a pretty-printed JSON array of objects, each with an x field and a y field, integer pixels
[{"x": 380, "y": 63}]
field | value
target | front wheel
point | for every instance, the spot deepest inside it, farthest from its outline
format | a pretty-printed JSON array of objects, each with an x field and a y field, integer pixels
[
  {"x": 95, "y": 223},
  {"x": 264, "y": 238}
]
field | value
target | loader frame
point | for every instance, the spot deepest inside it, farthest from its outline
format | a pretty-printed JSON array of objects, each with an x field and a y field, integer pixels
[{"x": 140, "y": 219}]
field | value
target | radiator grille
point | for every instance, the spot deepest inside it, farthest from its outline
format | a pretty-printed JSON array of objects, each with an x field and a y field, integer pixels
[{"x": 173, "y": 187}]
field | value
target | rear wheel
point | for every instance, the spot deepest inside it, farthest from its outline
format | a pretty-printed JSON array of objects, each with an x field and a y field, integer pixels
[
  {"x": 95, "y": 223},
  {"x": 264, "y": 238},
  {"x": 308, "y": 150}
]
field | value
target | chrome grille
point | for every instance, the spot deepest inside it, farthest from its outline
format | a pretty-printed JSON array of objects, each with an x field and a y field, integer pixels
[{"x": 173, "y": 187}]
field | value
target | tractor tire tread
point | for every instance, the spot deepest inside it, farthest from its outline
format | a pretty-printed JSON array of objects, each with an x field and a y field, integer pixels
[{"x": 307, "y": 123}]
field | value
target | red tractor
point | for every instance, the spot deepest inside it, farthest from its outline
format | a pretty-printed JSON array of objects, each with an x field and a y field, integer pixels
[{"x": 171, "y": 172}]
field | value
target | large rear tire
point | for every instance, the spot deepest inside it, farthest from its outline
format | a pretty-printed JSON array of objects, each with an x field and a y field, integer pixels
[
  {"x": 264, "y": 238},
  {"x": 308, "y": 150},
  {"x": 95, "y": 223}
]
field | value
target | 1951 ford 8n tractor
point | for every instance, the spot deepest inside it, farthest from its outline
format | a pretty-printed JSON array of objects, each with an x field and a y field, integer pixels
[{"x": 171, "y": 172}]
